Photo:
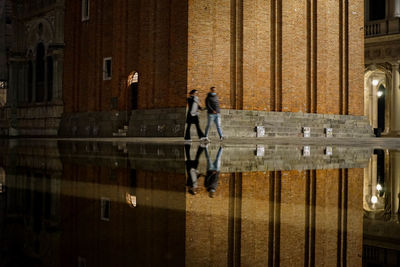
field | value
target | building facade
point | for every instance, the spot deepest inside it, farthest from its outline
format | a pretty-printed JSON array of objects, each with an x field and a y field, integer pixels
[
  {"x": 5, "y": 40},
  {"x": 35, "y": 66},
  {"x": 382, "y": 56},
  {"x": 130, "y": 65}
]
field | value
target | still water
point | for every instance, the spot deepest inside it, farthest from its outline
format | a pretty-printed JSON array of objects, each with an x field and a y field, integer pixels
[{"x": 115, "y": 204}]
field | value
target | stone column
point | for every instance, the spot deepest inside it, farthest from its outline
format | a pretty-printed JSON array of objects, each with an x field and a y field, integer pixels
[
  {"x": 394, "y": 184},
  {"x": 374, "y": 106},
  {"x": 33, "y": 81},
  {"x": 396, "y": 8},
  {"x": 395, "y": 109},
  {"x": 58, "y": 64}
]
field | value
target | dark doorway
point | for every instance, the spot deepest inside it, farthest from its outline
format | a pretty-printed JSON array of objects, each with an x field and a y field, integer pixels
[
  {"x": 134, "y": 95},
  {"x": 381, "y": 108},
  {"x": 40, "y": 86},
  {"x": 49, "y": 78}
]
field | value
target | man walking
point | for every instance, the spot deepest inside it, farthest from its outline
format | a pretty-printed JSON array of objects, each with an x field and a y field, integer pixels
[{"x": 212, "y": 104}]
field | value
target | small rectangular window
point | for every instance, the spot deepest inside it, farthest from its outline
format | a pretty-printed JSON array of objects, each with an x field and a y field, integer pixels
[
  {"x": 105, "y": 209},
  {"x": 107, "y": 69},
  {"x": 85, "y": 10}
]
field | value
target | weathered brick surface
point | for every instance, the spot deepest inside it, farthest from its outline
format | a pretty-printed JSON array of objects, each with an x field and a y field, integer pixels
[
  {"x": 285, "y": 56},
  {"x": 148, "y": 37}
]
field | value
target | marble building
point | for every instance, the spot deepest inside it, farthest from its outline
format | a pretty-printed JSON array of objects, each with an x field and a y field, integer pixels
[
  {"x": 382, "y": 56},
  {"x": 5, "y": 39},
  {"x": 35, "y": 67}
]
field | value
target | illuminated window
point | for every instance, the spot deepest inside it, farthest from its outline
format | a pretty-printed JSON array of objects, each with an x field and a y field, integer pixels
[
  {"x": 107, "y": 68},
  {"x": 85, "y": 10},
  {"x": 133, "y": 78},
  {"x": 131, "y": 200},
  {"x": 105, "y": 209}
]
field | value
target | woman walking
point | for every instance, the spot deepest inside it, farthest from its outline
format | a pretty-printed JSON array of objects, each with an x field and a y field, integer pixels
[{"x": 193, "y": 115}]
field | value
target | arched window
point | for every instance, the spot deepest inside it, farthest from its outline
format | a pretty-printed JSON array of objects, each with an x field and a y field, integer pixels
[
  {"x": 40, "y": 63},
  {"x": 49, "y": 78},
  {"x": 30, "y": 81}
]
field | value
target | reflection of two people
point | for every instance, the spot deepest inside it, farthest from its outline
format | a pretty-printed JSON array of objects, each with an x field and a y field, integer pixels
[{"x": 212, "y": 174}]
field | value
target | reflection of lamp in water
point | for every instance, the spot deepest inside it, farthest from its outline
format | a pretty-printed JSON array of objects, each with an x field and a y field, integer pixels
[
  {"x": 378, "y": 187},
  {"x": 130, "y": 199},
  {"x": 375, "y": 82},
  {"x": 379, "y": 93},
  {"x": 374, "y": 200},
  {"x": 2, "y": 180}
]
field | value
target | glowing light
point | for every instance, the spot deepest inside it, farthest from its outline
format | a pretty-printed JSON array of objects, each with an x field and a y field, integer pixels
[
  {"x": 130, "y": 199},
  {"x": 375, "y": 82},
  {"x": 374, "y": 200},
  {"x": 379, "y": 93},
  {"x": 378, "y": 187}
]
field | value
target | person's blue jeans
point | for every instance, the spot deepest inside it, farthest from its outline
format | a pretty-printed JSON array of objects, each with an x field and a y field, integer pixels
[{"x": 216, "y": 118}]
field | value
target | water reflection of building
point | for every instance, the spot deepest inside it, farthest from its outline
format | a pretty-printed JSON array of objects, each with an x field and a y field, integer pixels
[
  {"x": 381, "y": 209},
  {"x": 382, "y": 55},
  {"x": 292, "y": 217}
]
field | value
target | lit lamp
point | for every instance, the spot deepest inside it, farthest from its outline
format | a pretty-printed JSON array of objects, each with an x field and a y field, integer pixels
[
  {"x": 378, "y": 187},
  {"x": 374, "y": 200},
  {"x": 375, "y": 82},
  {"x": 379, "y": 93}
]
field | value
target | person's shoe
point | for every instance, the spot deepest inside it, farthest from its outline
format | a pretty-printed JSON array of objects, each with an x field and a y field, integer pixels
[
  {"x": 193, "y": 190},
  {"x": 203, "y": 144},
  {"x": 221, "y": 138},
  {"x": 211, "y": 193}
]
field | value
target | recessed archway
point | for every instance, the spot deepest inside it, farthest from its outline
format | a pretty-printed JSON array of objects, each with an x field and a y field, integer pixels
[
  {"x": 133, "y": 88},
  {"x": 377, "y": 98}
]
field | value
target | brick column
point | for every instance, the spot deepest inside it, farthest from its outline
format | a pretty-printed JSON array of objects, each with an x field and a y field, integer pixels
[{"x": 395, "y": 105}]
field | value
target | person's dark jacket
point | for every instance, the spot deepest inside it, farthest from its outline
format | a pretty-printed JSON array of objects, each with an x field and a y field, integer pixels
[
  {"x": 211, "y": 180},
  {"x": 212, "y": 104}
]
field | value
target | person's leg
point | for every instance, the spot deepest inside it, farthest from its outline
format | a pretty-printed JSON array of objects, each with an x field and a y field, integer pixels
[
  {"x": 199, "y": 131},
  {"x": 187, "y": 133},
  {"x": 187, "y": 152},
  {"x": 218, "y": 124},
  {"x": 217, "y": 162},
  {"x": 209, "y": 163},
  {"x": 209, "y": 118}
]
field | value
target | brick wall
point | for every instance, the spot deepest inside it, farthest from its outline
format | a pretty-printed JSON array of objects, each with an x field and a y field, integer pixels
[
  {"x": 148, "y": 37},
  {"x": 278, "y": 56},
  {"x": 274, "y": 56}
]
